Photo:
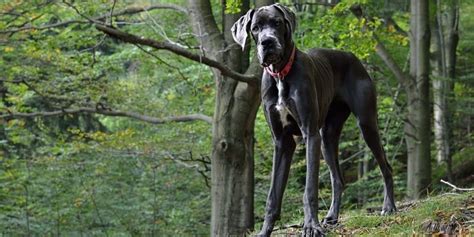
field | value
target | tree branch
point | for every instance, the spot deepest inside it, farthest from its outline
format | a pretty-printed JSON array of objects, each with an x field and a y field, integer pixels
[
  {"x": 127, "y": 11},
  {"x": 133, "y": 39},
  {"x": 391, "y": 22},
  {"x": 382, "y": 51},
  {"x": 455, "y": 188},
  {"x": 108, "y": 112},
  {"x": 387, "y": 58},
  {"x": 205, "y": 27}
]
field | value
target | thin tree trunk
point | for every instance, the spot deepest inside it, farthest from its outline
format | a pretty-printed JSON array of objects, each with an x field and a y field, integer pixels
[
  {"x": 444, "y": 44},
  {"x": 417, "y": 126},
  {"x": 439, "y": 87},
  {"x": 452, "y": 39}
]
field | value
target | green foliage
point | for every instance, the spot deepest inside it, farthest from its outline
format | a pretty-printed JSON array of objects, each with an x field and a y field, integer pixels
[
  {"x": 337, "y": 28},
  {"x": 233, "y": 6},
  {"x": 101, "y": 192},
  {"x": 98, "y": 175},
  {"x": 95, "y": 175}
]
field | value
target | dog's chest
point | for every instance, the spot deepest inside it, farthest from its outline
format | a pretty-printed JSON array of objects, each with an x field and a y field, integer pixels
[{"x": 281, "y": 105}]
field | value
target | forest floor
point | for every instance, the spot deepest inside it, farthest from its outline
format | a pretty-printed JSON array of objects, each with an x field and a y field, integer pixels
[{"x": 448, "y": 213}]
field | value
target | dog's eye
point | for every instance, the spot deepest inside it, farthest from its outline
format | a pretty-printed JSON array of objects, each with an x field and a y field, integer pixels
[
  {"x": 277, "y": 23},
  {"x": 255, "y": 28}
]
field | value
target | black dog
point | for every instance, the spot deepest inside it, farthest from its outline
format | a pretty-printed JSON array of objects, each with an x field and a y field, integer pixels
[{"x": 310, "y": 95}]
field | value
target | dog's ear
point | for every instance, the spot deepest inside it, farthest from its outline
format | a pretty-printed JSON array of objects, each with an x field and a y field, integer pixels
[
  {"x": 241, "y": 28},
  {"x": 289, "y": 16}
]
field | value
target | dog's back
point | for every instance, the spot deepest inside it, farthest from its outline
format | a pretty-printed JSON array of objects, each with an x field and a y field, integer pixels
[
  {"x": 346, "y": 72},
  {"x": 342, "y": 63}
]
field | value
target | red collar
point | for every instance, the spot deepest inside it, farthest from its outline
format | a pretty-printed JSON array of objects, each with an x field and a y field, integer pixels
[{"x": 282, "y": 74}]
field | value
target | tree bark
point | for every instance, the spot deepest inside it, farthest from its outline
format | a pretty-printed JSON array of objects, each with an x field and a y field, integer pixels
[
  {"x": 108, "y": 112},
  {"x": 232, "y": 172},
  {"x": 439, "y": 87},
  {"x": 232, "y": 154},
  {"x": 444, "y": 44},
  {"x": 452, "y": 40},
  {"x": 417, "y": 126}
]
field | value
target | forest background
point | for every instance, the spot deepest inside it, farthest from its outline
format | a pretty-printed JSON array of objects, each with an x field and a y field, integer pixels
[{"x": 112, "y": 113}]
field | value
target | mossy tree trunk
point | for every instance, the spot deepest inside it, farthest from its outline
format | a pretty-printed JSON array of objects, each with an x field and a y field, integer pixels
[{"x": 418, "y": 122}]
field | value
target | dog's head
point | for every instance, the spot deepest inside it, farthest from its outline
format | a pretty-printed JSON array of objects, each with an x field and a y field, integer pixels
[{"x": 271, "y": 28}]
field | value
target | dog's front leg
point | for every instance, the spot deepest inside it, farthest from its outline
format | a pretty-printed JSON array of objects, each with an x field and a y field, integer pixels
[
  {"x": 311, "y": 225},
  {"x": 282, "y": 155},
  {"x": 304, "y": 107}
]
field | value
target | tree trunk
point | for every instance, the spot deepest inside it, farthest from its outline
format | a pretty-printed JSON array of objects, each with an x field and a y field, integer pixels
[
  {"x": 444, "y": 43},
  {"x": 233, "y": 124},
  {"x": 232, "y": 159},
  {"x": 439, "y": 87},
  {"x": 232, "y": 154},
  {"x": 452, "y": 39},
  {"x": 3, "y": 135},
  {"x": 417, "y": 126}
]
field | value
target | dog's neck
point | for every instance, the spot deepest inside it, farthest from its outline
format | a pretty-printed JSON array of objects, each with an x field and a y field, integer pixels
[
  {"x": 286, "y": 57},
  {"x": 283, "y": 67}
]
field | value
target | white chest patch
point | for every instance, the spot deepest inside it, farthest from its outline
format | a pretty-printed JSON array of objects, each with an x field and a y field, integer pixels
[{"x": 284, "y": 112}]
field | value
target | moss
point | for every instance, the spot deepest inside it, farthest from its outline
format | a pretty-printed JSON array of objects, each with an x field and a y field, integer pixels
[{"x": 405, "y": 222}]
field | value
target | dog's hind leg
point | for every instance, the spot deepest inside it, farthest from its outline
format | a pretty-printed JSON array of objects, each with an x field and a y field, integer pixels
[
  {"x": 330, "y": 133},
  {"x": 371, "y": 136},
  {"x": 365, "y": 110}
]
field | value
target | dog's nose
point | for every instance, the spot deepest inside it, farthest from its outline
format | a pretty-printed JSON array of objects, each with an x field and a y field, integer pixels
[{"x": 268, "y": 42}]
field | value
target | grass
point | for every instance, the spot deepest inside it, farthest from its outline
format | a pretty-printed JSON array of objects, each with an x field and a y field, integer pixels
[{"x": 407, "y": 221}]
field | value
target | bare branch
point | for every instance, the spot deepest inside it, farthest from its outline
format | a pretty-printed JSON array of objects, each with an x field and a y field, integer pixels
[
  {"x": 135, "y": 10},
  {"x": 42, "y": 27},
  {"x": 112, "y": 11},
  {"x": 162, "y": 61},
  {"x": 127, "y": 11},
  {"x": 108, "y": 112},
  {"x": 455, "y": 188},
  {"x": 133, "y": 39},
  {"x": 203, "y": 169},
  {"x": 387, "y": 58},
  {"x": 201, "y": 165},
  {"x": 71, "y": 5},
  {"x": 325, "y": 4},
  {"x": 382, "y": 52}
]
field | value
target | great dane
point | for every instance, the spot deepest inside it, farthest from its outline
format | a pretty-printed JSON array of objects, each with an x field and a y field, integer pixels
[{"x": 310, "y": 95}]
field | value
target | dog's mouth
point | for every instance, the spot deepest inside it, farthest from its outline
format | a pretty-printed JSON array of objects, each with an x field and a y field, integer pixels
[
  {"x": 269, "y": 55},
  {"x": 269, "y": 59}
]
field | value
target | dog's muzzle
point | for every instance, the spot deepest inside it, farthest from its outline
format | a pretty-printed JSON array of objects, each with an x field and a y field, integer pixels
[{"x": 269, "y": 51}]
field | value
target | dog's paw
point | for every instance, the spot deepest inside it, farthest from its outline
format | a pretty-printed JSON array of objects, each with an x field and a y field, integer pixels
[
  {"x": 388, "y": 209},
  {"x": 263, "y": 234},
  {"x": 330, "y": 220},
  {"x": 266, "y": 230},
  {"x": 312, "y": 230}
]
